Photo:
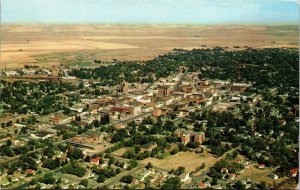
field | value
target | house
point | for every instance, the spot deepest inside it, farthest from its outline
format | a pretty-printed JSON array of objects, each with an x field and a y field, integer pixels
[
  {"x": 224, "y": 170},
  {"x": 105, "y": 164},
  {"x": 95, "y": 160},
  {"x": 201, "y": 185},
  {"x": 121, "y": 125},
  {"x": 232, "y": 176},
  {"x": 29, "y": 172},
  {"x": 273, "y": 176},
  {"x": 156, "y": 112},
  {"x": 207, "y": 184},
  {"x": 10, "y": 73},
  {"x": 78, "y": 108},
  {"x": 294, "y": 172},
  {"x": 163, "y": 91},
  {"x": 261, "y": 166},
  {"x": 185, "y": 177},
  {"x": 125, "y": 165}
]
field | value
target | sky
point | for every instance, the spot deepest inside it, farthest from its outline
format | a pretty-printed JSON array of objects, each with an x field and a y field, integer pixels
[{"x": 151, "y": 11}]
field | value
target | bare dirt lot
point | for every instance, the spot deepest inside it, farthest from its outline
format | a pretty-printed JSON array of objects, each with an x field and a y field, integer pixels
[
  {"x": 24, "y": 44},
  {"x": 189, "y": 160}
]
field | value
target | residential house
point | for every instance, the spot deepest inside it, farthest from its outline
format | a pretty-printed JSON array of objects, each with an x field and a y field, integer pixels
[
  {"x": 185, "y": 177},
  {"x": 95, "y": 160},
  {"x": 294, "y": 172}
]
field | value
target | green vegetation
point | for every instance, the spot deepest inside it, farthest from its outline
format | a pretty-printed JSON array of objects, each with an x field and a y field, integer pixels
[
  {"x": 74, "y": 168},
  {"x": 79, "y": 64}
]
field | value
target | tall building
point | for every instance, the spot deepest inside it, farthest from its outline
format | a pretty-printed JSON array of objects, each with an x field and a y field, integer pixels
[
  {"x": 199, "y": 137},
  {"x": 163, "y": 91},
  {"x": 185, "y": 138},
  {"x": 124, "y": 87}
]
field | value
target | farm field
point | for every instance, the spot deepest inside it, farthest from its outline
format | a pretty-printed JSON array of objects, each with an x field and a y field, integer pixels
[{"x": 60, "y": 44}]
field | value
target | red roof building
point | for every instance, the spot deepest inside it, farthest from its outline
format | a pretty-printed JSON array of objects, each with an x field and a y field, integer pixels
[
  {"x": 201, "y": 185},
  {"x": 95, "y": 160},
  {"x": 29, "y": 171},
  {"x": 294, "y": 172}
]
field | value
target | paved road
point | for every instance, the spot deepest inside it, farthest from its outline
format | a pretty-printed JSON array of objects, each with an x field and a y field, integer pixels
[
  {"x": 117, "y": 178},
  {"x": 132, "y": 118},
  {"x": 176, "y": 86}
]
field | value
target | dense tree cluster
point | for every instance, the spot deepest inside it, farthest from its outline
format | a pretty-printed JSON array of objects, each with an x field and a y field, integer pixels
[
  {"x": 74, "y": 168},
  {"x": 41, "y": 97}
]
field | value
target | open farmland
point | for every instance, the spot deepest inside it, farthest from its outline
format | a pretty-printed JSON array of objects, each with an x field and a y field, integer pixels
[{"x": 30, "y": 44}]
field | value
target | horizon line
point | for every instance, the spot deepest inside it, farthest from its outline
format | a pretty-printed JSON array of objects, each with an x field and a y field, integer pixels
[{"x": 149, "y": 24}]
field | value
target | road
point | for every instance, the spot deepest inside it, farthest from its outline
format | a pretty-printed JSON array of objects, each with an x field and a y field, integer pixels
[
  {"x": 117, "y": 178},
  {"x": 132, "y": 118},
  {"x": 176, "y": 86}
]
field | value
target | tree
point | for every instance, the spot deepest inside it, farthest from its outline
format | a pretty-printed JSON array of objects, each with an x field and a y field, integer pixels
[
  {"x": 51, "y": 164},
  {"x": 174, "y": 151},
  {"x": 180, "y": 147},
  {"x": 263, "y": 185},
  {"x": 172, "y": 183},
  {"x": 75, "y": 169},
  {"x": 81, "y": 85},
  {"x": 127, "y": 179},
  {"x": 180, "y": 170},
  {"x": 84, "y": 182},
  {"x": 240, "y": 185},
  {"x": 105, "y": 119},
  {"x": 34, "y": 181},
  {"x": 214, "y": 180},
  {"x": 96, "y": 123},
  {"x": 48, "y": 178},
  {"x": 149, "y": 165},
  {"x": 75, "y": 153},
  {"x": 8, "y": 142},
  {"x": 101, "y": 178}
]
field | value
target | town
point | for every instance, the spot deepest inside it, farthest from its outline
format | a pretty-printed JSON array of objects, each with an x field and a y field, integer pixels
[{"x": 201, "y": 118}]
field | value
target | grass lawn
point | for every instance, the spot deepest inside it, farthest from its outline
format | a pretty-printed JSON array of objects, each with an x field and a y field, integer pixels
[
  {"x": 189, "y": 160},
  {"x": 119, "y": 152},
  {"x": 259, "y": 175}
]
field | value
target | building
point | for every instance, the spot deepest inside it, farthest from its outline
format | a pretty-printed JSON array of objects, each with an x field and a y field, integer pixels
[
  {"x": 131, "y": 110},
  {"x": 201, "y": 185},
  {"x": 10, "y": 73},
  {"x": 294, "y": 172},
  {"x": 95, "y": 160},
  {"x": 163, "y": 91},
  {"x": 185, "y": 138},
  {"x": 274, "y": 176},
  {"x": 261, "y": 166},
  {"x": 199, "y": 137},
  {"x": 239, "y": 87},
  {"x": 156, "y": 112},
  {"x": 224, "y": 170},
  {"x": 29, "y": 172},
  {"x": 185, "y": 177},
  {"x": 124, "y": 86}
]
